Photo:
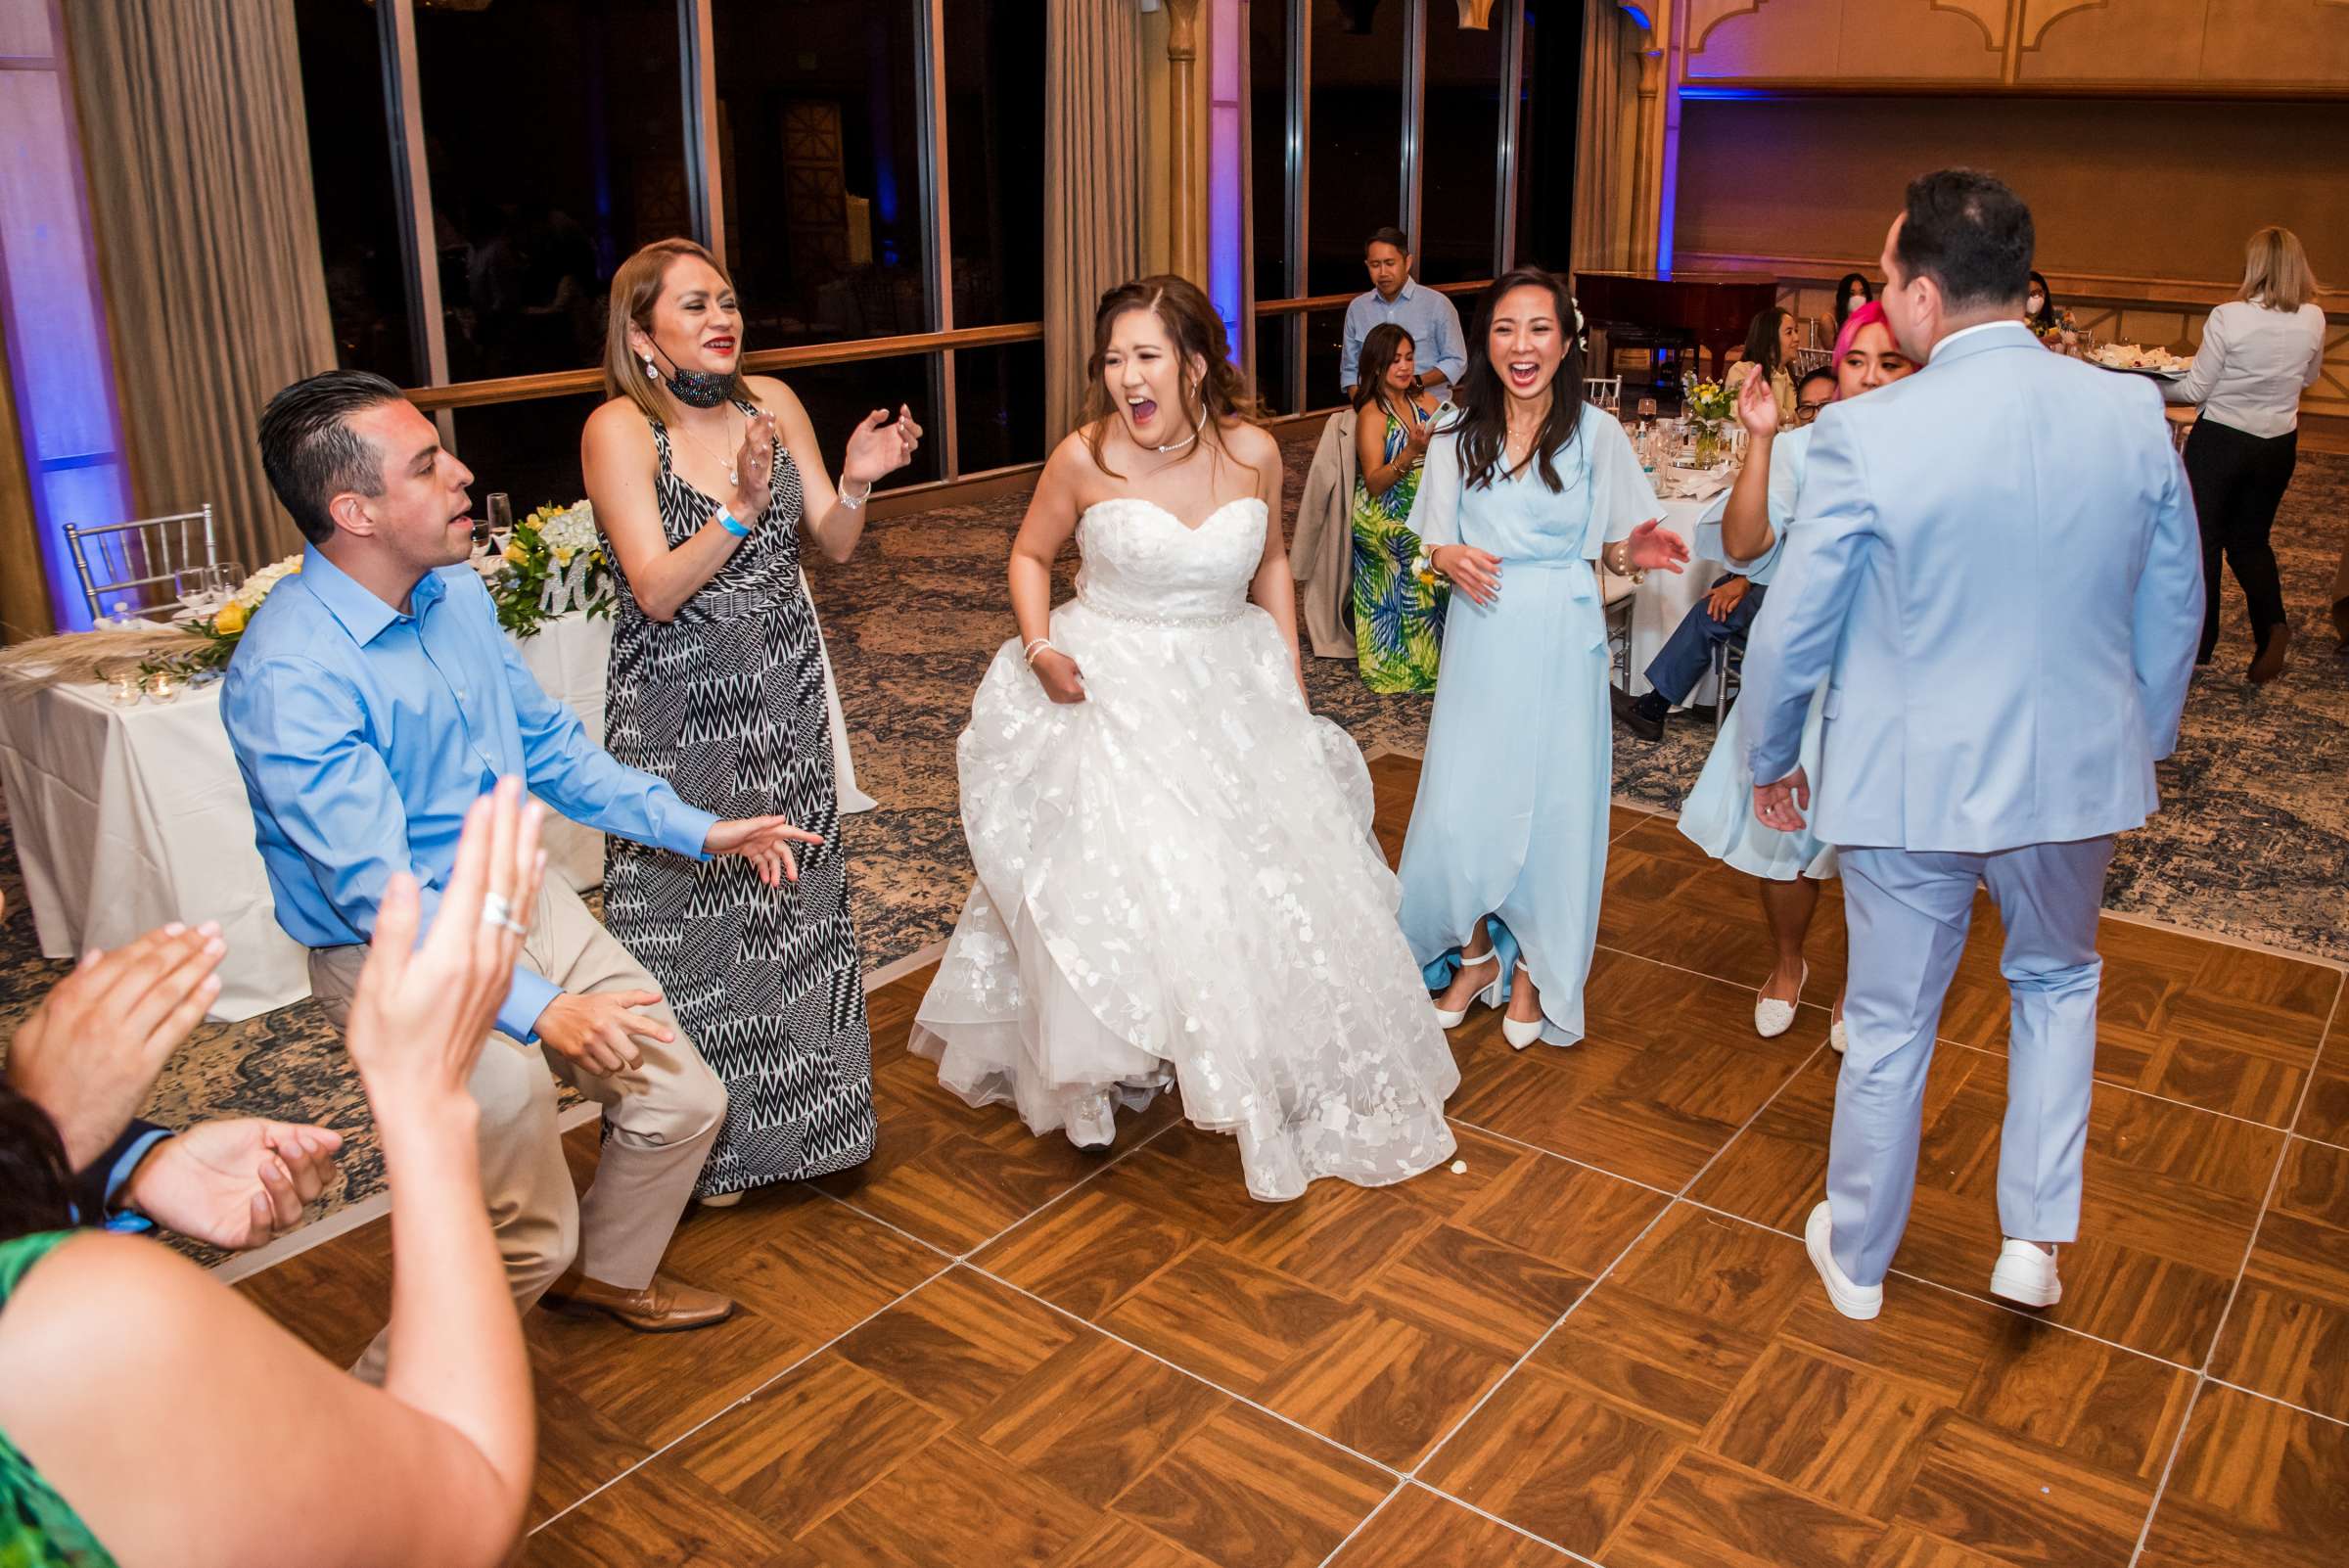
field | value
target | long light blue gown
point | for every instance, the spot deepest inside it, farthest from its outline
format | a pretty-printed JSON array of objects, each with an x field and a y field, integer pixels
[
  {"x": 1511, "y": 817},
  {"x": 1717, "y": 816}
]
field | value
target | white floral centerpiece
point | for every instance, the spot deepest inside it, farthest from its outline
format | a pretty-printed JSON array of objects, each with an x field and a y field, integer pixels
[{"x": 554, "y": 565}]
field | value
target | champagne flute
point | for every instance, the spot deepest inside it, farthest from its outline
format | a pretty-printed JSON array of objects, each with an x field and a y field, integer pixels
[{"x": 501, "y": 520}]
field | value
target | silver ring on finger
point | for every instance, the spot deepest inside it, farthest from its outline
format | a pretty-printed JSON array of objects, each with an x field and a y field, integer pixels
[{"x": 514, "y": 926}]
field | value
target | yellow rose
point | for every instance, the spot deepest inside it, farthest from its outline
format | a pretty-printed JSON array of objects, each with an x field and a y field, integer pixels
[{"x": 230, "y": 621}]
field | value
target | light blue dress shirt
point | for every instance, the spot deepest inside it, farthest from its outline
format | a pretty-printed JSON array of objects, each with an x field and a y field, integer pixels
[
  {"x": 1428, "y": 316},
  {"x": 365, "y": 734}
]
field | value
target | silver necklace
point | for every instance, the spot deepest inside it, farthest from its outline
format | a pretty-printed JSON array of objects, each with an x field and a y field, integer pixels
[{"x": 733, "y": 472}]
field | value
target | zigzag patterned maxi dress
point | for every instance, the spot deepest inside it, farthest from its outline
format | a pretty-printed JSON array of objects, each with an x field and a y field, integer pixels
[{"x": 726, "y": 703}]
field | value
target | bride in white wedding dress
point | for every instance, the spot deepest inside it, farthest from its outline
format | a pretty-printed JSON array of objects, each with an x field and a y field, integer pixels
[{"x": 1177, "y": 879}]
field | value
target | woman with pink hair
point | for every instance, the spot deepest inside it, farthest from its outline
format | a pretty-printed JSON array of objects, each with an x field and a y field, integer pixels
[{"x": 1748, "y": 528}]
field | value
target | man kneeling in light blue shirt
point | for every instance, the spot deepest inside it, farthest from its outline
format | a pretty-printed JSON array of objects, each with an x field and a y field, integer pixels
[
  {"x": 370, "y": 701},
  {"x": 1395, "y": 295}
]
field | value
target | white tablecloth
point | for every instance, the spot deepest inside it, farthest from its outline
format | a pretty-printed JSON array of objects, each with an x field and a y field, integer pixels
[
  {"x": 1664, "y": 598},
  {"x": 127, "y": 819}
]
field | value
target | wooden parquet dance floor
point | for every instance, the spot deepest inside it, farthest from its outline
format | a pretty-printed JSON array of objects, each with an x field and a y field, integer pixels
[{"x": 1600, "y": 1342}]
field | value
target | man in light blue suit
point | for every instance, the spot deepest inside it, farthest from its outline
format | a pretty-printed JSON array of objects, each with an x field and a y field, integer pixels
[{"x": 1994, "y": 571}]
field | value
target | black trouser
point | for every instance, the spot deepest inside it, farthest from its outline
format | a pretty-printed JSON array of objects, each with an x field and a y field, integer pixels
[{"x": 2238, "y": 480}]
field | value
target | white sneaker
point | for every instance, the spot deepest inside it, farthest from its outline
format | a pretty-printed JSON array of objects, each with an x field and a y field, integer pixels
[
  {"x": 1853, "y": 1301},
  {"x": 1772, "y": 1017},
  {"x": 2026, "y": 1274}
]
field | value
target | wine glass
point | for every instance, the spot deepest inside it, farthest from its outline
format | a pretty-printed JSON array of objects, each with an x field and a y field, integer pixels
[
  {"x": 500, "y": 511},
  {"x": 198, "y": 587}
]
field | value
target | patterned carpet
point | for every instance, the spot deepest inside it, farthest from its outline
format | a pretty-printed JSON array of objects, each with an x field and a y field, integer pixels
[{"x": 2253, "y": 841}]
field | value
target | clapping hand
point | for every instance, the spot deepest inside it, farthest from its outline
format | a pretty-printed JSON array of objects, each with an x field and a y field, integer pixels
[
  {"x": 755, "y": 466},
  {"x": 878, "y": 448},
  {"x": 764, "y": 840},
  {"x": 1758, "y": 407},
  {"x": 90, "y": 1051},
  {"x": 421, "y": 1013},
  {"x": 1776, "y": 806},
  {"x": 234, "y": 1184},
  {"x": 1654, "y": 547},
  {"x": 1474, "y": 572}
]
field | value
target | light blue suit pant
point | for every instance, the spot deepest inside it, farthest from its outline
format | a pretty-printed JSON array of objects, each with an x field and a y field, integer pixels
[{"x": 1907, "y": 914}]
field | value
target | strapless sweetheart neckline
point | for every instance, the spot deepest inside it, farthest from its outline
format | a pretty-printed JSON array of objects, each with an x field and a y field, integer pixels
[{"x": 1169, "y": 514}]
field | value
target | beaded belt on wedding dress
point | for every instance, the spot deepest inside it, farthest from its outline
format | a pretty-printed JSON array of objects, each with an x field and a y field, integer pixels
[{"x": 1140, "y": 620}]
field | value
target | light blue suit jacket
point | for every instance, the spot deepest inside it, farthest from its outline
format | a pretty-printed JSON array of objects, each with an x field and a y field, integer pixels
[{"x": 1996, "y": 571}]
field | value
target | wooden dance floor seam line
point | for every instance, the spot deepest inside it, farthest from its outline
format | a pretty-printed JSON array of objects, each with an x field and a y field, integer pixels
[{"x": 1601, "y": 1342}]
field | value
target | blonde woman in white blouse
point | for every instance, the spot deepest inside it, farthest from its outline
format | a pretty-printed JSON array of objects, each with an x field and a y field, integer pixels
[{"x": 2257, "y": 353}]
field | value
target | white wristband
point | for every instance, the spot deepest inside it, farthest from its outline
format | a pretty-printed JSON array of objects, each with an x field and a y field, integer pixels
[{"x": 1038, "y": 646}]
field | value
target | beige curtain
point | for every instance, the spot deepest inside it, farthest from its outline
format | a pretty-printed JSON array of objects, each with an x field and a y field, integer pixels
[
  {"x": 207, "y": 237},
  {"x": 1604, "y": 138},
  {"x": 1092, "y": 170}
]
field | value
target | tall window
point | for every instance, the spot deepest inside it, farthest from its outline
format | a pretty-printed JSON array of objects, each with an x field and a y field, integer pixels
[
  {"x": 1271, "y": 132},
  {"x": 543, "y": 181},
  {"x": 1552, "y": 51},
  {"x": 1381, "y": 112},
  {"x": 351, "y": 171},
  {"x": 866, "y": 169},
  {"x": 1360, "y": 125},
  {"x": 994, "y": 51},
  {"x": 1458, "y": 182},
  {"x": 820, "y": 145}
]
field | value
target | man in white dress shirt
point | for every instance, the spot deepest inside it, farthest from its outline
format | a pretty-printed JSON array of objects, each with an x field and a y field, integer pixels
[{"x": 1995, "y": 572}]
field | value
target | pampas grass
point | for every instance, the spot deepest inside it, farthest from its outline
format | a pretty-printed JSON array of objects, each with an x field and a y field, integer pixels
[{"x": 88, "y": 656}]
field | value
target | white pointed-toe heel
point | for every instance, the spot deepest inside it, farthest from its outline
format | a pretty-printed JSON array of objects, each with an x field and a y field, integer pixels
[
  {"x": 1489, "y": 995},
  {"x": 1772, "y": 1017},
  {"x": 1520, "y": 1032}
]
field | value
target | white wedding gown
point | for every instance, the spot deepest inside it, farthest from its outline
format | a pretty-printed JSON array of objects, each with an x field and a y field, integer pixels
[{"x": 1178, "y": 883}]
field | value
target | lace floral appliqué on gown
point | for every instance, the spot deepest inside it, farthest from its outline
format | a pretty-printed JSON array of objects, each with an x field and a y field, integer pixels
[{"x": 1178, "y": 883}]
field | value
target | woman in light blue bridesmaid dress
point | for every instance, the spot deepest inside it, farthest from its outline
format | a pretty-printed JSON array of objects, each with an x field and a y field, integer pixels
[
  {"x": 1520, "y": 497},
  {"x": 1748, "y": 528}
]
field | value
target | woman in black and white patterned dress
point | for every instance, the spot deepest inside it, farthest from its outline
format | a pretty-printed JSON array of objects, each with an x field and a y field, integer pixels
[{"x": 701, "y": 479}]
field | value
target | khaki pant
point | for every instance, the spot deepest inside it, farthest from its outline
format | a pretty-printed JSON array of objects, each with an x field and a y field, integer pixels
[{"x": 661, "y": 1118}]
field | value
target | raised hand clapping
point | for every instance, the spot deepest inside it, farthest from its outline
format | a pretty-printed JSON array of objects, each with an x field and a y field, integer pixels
[
  {"x": 753, "y": 469},
  {"x": 879, "y": 447}
]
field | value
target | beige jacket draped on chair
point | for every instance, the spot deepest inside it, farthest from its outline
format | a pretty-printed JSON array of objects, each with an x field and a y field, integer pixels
[{"x": 1322, "y": 555}]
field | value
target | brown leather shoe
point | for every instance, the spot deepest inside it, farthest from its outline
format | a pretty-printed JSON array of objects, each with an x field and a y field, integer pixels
[
  {"x": 662, "y": 1307},
  {"x": 2269, "y": 663}
]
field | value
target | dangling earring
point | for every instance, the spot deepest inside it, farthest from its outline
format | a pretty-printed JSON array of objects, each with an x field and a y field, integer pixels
[{"x": 650, "y": 374}]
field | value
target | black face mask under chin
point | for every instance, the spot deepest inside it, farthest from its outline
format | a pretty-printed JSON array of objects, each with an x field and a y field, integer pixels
[{"x": 694, "y": 388}]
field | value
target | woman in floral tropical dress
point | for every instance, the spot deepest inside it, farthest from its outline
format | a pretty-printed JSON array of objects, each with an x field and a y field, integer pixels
[{"x": 1397, "y": 613}]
